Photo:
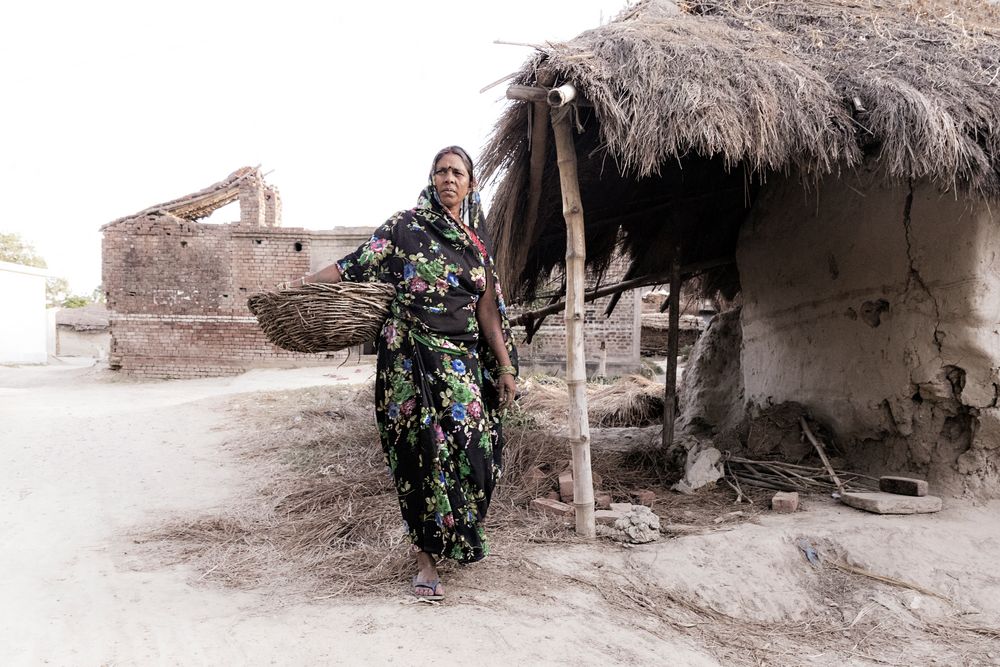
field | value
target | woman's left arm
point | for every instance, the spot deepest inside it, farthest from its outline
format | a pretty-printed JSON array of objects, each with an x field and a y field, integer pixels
[{"x": 490, "y": 328}]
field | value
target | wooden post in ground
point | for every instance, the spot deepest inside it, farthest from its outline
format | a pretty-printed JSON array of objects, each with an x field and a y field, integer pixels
[
  {"x": 576, "y": 368},
  {"x": 673, "y": 338}
]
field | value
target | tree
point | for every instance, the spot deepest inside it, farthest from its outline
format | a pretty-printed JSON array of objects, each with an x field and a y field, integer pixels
[
  {"x": 18, "y": 251},
  {"x": 56, "y": 291},
  {"x": 76, "y": 301},
  {"x": 15, "y": 249}
]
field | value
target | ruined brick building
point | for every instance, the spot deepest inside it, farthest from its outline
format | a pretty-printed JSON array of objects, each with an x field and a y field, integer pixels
[{"x": 177, "y": 288}]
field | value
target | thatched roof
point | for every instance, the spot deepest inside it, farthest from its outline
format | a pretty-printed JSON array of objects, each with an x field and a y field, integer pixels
[
  {"x": 92, "y": 317},
  {"x": 694, "y": 99}
]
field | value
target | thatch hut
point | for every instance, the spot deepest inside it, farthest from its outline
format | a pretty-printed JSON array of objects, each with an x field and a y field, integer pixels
[{"x": 834, "y": 162}]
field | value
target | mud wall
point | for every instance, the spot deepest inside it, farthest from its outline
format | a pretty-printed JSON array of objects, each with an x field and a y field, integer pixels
[
  {"x": 711, "y": 393},
  {"x": 877, "y": 307}
]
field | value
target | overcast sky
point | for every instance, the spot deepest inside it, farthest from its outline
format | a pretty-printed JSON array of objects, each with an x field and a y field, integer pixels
[{"x": 110, "y": 107}]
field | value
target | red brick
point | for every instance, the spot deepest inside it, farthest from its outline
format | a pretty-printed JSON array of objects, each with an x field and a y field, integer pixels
[
  {"x": 785, "y": 502},
  {"x": 555, "y": 507},
  {"x": 903, "y": 486},
  {"x": 644, "y": 497},
  {"x": 566, "y": 486},
  {"x": 607, "y": 517}
]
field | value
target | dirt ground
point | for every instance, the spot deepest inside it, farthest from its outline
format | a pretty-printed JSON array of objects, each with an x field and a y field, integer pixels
[{"x": 91, "y": 460}]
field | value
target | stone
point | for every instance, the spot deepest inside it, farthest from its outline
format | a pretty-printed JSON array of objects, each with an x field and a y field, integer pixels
[
  {"x": 644, "y": 497},
  {"x": 566, "y": 486},
  {"x": 785, "y": 502},
  {"x": 546, "y": 506},
  {"x": 621, "y": 507},
  {"x": 602, "y": 500},
  {"x": 607, "y": 517},
  {"x": 638, "y": 526},
  {"x": 552, "y": 495},
  {"x": 597, "y": 479},
  {"x": 904, "y": 486},
  {"x": 701, "y": 469},
  {"x": 890, "y": 503}
]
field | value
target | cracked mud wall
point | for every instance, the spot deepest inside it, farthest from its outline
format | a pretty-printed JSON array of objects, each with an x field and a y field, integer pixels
[{"x": 878, "y": 307}]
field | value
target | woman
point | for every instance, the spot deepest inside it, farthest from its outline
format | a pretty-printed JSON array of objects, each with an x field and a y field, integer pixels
[{"x": 446, "y": 364}]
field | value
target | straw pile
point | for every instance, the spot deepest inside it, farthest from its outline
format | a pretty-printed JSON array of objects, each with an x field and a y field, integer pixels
[
  {"x": 631, "y": 401},
  {"x": 322, "y": 317}
]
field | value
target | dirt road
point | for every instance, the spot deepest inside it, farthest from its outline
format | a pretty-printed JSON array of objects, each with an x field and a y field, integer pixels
[{"x": 88, "y": 461}]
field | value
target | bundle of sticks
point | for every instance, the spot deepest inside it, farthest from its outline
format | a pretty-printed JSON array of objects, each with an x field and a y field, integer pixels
[{"x": 783, "y": 476}]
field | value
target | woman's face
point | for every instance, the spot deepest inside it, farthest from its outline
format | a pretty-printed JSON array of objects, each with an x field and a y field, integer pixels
[{"x": 451, "y": 179}]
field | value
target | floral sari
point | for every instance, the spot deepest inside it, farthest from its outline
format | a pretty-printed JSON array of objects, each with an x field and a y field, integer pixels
[{"x": 435, "y": 397}]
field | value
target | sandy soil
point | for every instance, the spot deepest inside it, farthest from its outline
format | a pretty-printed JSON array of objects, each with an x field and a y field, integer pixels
[{"x": 88, "y": 460}]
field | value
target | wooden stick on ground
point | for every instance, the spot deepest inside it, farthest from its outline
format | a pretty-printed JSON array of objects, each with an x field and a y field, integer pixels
[{"x": 822, "y": 454}]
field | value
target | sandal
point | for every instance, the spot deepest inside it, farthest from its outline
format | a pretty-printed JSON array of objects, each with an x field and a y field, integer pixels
[{"x": 429, "y": 585}]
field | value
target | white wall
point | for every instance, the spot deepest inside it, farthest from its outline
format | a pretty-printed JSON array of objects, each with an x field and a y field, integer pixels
[
  {"x": 880, "y": 311},
  {"x": 23, "y": 321},
  {"x": 72, "y": 343}
]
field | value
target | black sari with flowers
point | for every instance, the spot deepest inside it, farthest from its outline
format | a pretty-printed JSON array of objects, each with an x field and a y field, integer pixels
[{"x": 435, "y": 398}]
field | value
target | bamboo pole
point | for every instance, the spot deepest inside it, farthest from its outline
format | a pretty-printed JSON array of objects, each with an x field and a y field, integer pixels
[
  {"x": 576, "y": 369},
  {"x": 673, "y": 337}
]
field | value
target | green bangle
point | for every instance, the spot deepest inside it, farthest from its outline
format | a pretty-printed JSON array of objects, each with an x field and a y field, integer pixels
[{"x": 506, "y": 370}]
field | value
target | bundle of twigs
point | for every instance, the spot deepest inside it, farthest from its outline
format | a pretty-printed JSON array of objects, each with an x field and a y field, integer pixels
[
  {"x": 322, "y": 317},
  {"x": 783, "y": 476}
]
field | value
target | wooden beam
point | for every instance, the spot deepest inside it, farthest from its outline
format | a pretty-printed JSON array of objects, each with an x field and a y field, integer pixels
[
  {"x": 673, "y": 337},
  {"x": 528, "y": 94},
  {"x": 536, "y": 167},
  {"x": 543, "y": 93},
  {"x": 687, "y": 270},
  {"x": 576, "y": 369}
]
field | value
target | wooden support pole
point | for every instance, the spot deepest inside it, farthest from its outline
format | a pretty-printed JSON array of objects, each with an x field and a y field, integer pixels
[
  {"x": 576, "y": 368},
  {"x": 673, "y": 338},
  {"x": 539, "y": 139}
]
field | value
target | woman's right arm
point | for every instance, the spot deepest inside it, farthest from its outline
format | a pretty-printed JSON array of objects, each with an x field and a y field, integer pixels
[
  {"x": 328, "y": 274},
  {"x": 365, "y": 264}
]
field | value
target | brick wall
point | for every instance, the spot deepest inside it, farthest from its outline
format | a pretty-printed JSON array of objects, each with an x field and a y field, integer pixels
[
  {"x": 177, "y": 290},
  {"x": 328, "y": 247},
  {"x": 177, "y": 293},
  {"x": 619, "y": 334}
]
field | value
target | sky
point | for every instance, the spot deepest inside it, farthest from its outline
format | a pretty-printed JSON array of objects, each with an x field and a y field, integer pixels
[{"x": 109, "y": 107}]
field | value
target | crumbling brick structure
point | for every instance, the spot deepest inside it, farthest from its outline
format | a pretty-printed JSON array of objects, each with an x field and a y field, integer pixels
[{"x": 177, "y": 288}]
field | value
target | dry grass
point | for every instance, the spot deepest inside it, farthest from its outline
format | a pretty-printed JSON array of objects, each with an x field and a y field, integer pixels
[
  {"x": 326, "y": 524},
  {"x": 328, "y": 520},
  {"x": 630, "y": 401}
]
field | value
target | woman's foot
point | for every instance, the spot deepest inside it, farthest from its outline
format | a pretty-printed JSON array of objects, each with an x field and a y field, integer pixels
[{"x": 427, "y": 582}]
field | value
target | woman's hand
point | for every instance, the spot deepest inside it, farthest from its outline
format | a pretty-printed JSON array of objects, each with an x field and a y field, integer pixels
[{"x": 507, "y": 389}]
